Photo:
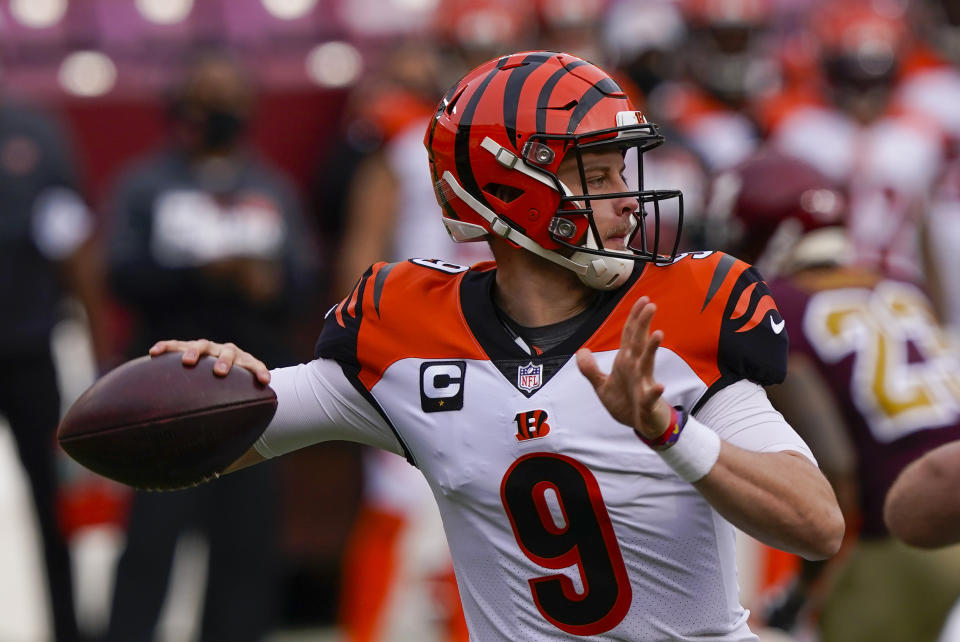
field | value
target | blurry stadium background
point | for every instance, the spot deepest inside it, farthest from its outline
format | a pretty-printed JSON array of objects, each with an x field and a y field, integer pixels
[{"x": 105, "y": 69}]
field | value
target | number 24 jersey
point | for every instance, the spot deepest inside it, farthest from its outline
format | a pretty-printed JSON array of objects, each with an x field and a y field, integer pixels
[{"x": 561, "y": 523}]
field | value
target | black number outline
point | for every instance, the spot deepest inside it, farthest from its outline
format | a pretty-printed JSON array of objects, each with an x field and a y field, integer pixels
[{"x": 516, "y": 489}]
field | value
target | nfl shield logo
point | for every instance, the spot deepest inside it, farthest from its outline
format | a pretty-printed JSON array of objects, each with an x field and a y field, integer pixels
[{"x": 528, "y": 377}]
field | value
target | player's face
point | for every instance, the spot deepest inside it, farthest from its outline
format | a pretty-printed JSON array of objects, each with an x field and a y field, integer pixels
[{"x": 604, "y": 171}]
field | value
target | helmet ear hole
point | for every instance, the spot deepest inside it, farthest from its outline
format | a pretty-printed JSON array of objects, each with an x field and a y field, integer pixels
[{"x": 504, "y": 193}]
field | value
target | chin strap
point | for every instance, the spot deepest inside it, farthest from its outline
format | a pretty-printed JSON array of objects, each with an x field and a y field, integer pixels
[{"x": 603, "y": 272}]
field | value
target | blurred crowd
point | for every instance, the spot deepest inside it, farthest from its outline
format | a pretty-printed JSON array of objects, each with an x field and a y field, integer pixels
[{"x": 246, "y": 210}]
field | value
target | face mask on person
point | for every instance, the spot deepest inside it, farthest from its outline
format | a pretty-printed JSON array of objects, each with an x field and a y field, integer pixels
[{"x": 221, "y": 128}]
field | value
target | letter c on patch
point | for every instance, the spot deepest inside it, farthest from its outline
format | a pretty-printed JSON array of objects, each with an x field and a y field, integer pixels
[
  {"x": 441, "y": 381},
  {"x": 441, "y": 385}
]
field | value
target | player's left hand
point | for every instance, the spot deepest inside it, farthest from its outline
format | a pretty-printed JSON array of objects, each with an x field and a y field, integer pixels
[{"x": 630, "y": 392}]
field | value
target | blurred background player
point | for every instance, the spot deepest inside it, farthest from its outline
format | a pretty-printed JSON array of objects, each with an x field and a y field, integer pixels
[
  {"x": 643, "y": 39},
  {"x": 930, "y": 78},
  {"x": 942, "y": 236},
  {"x": 726, "y": 67},
  {"x": 930, "y": 86},
  {"x": 572, "y": 25},
  {"x": 206, "y": 239},
  {"x": 872, "y": 383},
  {"x": 47, "y": 252},
  {"x": 844, "y": 120}
]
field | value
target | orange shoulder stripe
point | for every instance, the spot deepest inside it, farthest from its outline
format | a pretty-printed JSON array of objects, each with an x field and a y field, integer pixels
[
  {"x": 691, "y": 296},
  {"x": 765, "y": 305},
  {"x": 413, "y": 311}
]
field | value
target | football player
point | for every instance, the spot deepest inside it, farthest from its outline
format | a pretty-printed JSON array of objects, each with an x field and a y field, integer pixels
[
  {"x": 871, "y": 385},
  {"x": 844, "y": 119},
  {"x": 588, "y": 408}
]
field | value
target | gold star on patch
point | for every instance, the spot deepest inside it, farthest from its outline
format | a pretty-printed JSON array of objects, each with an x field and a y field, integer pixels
[{"x": 440, "y": 403}]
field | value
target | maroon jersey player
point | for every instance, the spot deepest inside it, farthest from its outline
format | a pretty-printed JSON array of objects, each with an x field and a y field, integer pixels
[{"x": 871, "y": 385}]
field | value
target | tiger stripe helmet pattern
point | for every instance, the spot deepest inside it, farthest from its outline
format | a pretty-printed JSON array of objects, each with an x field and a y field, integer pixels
[{"x": 496, "y": 144}]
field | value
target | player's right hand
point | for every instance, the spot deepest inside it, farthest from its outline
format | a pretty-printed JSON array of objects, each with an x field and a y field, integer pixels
[
  {"x": 227, "y": 354},
  {"x": 630, "y": 392}
]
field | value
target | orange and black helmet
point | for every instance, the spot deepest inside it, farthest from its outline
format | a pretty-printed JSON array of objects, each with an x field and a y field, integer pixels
[{"x": 496, "y": 143}]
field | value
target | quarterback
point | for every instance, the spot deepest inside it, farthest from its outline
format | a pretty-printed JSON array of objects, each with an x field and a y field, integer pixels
[{"x": 587, "y": 408}]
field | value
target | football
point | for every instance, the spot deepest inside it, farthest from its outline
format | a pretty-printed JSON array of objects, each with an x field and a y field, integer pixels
[{"x": 153, "y": 423}]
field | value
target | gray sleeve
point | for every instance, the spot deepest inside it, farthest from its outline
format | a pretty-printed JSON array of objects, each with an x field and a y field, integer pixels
[
  {"x": 742, "y": 415},
  {"x": 317, "y": 403}
]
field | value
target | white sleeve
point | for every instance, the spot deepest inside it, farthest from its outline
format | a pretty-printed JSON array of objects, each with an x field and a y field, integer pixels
[
  {"x": 316, "y": 402},
  {"x": 742, "y": 414}
]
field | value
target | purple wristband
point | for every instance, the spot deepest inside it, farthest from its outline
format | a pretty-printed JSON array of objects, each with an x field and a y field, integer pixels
[{"x": 670, "y": 435}]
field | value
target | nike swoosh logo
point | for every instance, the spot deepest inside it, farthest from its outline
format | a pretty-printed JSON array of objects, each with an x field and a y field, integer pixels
[{"x": 777, "y": 327}]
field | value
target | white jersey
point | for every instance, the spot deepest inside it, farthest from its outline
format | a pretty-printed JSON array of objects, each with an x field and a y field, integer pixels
[
  {"x": 560, "y": 521},
  {"x": 933, "y": 93}
]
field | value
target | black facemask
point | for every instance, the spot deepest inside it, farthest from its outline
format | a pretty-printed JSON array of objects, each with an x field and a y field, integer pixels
[{"x": 221, "y": 128}]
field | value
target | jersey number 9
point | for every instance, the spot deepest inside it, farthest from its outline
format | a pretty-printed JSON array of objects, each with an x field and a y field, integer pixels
[{"x": 559, "y": 520}]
